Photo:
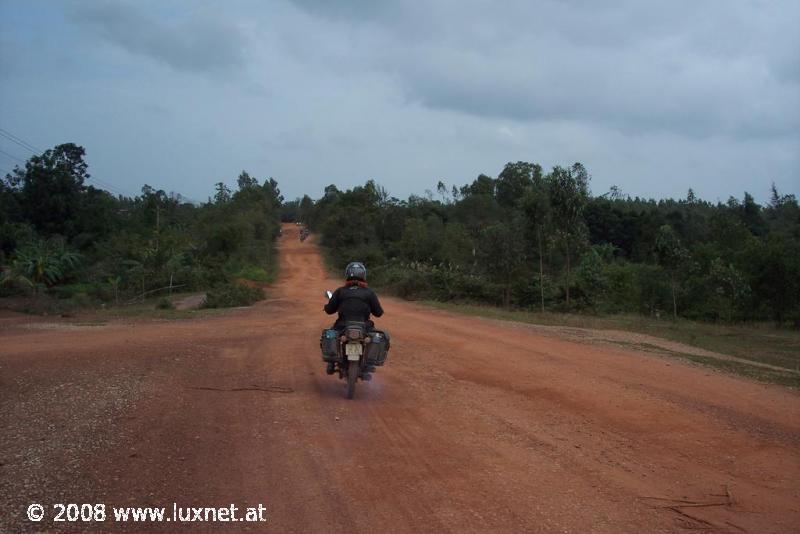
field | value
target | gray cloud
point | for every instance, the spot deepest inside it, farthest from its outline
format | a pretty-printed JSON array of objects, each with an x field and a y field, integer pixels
[
  {"x": 197, "y": 44},
  {"x": 699, "y": 69},
  {"x": 652, "y": 97}
]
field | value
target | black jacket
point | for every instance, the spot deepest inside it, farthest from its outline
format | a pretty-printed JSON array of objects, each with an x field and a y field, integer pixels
[{"x": 354, "y": 303}]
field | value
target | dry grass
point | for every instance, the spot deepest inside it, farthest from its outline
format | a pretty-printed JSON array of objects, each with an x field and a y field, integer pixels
[{"x": 759, "y": 343}]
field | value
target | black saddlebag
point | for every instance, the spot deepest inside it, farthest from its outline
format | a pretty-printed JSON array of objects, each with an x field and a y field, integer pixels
[
  {"x": 329, "y": 344},
  {"x": 378, "y": 349}
]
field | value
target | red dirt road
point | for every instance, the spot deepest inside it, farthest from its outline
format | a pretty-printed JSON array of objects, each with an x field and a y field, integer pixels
[{"x": 472, "y": 425}]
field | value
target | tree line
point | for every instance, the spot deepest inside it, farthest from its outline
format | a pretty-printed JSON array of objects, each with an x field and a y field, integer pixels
[
  {"x": 541, "y": 240},
  {"x": 62, "y": 236}
]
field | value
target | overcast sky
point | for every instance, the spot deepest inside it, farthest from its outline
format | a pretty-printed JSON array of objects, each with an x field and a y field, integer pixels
[{"x": 654, "y": 97}]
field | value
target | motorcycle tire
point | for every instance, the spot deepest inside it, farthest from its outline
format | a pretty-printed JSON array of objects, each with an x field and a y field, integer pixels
[{"x": 352, "y": 376}]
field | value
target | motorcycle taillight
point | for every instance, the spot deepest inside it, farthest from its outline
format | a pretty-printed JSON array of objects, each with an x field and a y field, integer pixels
[{"x": 354, "y": 334}]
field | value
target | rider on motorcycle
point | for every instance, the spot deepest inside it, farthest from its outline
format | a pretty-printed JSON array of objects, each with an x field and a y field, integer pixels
[{"x": 354, "y": 301}]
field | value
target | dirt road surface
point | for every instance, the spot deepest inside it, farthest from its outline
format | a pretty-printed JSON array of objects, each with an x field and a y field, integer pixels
[{"x": 473, "y": 425}]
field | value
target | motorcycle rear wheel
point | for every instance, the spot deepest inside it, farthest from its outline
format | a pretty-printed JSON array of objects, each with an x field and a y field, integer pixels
[{"x": 352, "y": 376}]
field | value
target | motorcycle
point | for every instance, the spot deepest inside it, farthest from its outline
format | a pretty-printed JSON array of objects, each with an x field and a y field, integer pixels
[{"x": 355, "y": 351}]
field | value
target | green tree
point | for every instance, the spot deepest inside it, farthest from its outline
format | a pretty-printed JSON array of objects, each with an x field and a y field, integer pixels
[
  {"x": 245, "y": 181},
  {"x": 514, "y": 180},
  {"x": 305, "y": 209},
  {"x": 422, "y": 240},
  {"x": 274, "y": 196},
  {"x": 774, "y": 277},
  {"x": 751, "y": 215},
  {"x": 783, "y": 214},
  {"x": 672, "y": 256},
  {"x": 502, "y": 255},
  {"x": 728, "y": 289},
  {"x": 223, "y": 194},
  {"x": 49, "y": 189},
  {"x": 456, "y": 245},
  {"x": 483, "y": 185},
  {"x": 591, "y": 274},
  {"x": 536, "y": 207},
  {"x": 569, "y": 193}
]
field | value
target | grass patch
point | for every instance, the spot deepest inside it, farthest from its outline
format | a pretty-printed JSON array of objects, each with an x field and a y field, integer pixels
[
  {"x": 255, "y": 274},
  {"x": 165, "y": 304},
  {"x": 47, "y": 304},
  {"x": 773, "y": 376},
  {"x": 233, "y": 295},
  {"x": 97, "y": 313},
  {"x": 762, "y": 343},
  {"x": 149, "y": 309}
]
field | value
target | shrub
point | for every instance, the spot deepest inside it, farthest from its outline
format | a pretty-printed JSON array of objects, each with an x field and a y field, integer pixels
[
  {"x": 232, "y": 295},
  {"x": 67, "y": 291},
  {"x": 165, "y": 304},
  {"x": 44, "y": 263},
  {"x": 251, "y": 272}
]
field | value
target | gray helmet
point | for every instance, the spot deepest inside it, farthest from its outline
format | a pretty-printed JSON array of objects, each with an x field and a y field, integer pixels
[{"x": 355, "y": 271}]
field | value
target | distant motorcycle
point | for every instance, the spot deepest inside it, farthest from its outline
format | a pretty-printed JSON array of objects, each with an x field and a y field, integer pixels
[{"x": 355, "y": 351}]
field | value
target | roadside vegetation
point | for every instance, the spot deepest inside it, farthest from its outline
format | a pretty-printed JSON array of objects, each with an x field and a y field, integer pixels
[
  {"x": 722, "y": 276},
  {"x": 754, "y": 343},
  {"x": 233, "y": 295},
  {"x": 540, "y": 241},
  {"x": 65, "y": 244},
  {"x": 526, "y": 245},
  {"x": 150, "y": 308}
]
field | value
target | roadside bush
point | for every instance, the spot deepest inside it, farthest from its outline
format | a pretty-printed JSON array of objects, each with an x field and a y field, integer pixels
[
  {"x": 11, "y": 286},
  {"x": 165, "y": 304},
  {"x": 653, "y": 296},
  {"x": 251, "y": 272},
  {"x": 67, "y": 291},
  {"x": 232, "y": 295},
  {"x": 399, "y": 281},
  {"x": 527, "y": 292},
  {"x": 419, "y": 280},
  {"x": 45, "y": 304},
  {"x": 102, "y": 292},
  {"x": 622, "y": 293}
]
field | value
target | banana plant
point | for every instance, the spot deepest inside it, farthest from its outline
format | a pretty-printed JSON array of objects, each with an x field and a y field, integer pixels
[{"x": 42, "y": 264}]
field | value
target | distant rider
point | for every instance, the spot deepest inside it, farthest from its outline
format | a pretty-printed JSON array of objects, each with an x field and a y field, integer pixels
[{"x": 354, "y": 301}]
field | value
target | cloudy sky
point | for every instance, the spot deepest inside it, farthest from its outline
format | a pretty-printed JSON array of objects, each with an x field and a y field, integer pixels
[{"x": 654, "y": 97}]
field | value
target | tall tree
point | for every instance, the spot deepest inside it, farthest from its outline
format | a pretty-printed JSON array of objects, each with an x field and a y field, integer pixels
[
  {"x": 672, "y": 255},
  {"x": 245, "y": 181},
  {"x": 50, "y": 188},
  {"x": 513, "y": 180},
  {"x": 536, "y": 206},
  {"x": 223, "y": 194},
  {"x": 502, "y": 254},
  {"x": 569, "y": 193},
  {"x": 273, "y": 192},
  {"x": 483, "y": 185},
  {"x": 305, "y": 209}
]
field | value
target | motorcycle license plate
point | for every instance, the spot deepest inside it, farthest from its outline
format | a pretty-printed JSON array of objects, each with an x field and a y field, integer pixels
[{"x": 353, "y": 351}]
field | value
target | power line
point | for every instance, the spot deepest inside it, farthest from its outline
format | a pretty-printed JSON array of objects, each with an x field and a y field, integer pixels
[
  {"x": 24, "y": 144},
  {"x": 14, "y": 139},
  {"x": 107, "y": 185},
  {"x": 15, "y": 158},
  {"x": 28, "y": 146}
]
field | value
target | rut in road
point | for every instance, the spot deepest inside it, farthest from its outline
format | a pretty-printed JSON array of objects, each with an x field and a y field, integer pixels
[{"x": 472, "y": 425}]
